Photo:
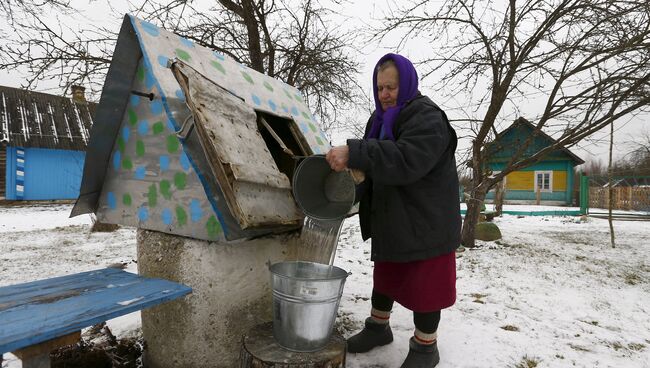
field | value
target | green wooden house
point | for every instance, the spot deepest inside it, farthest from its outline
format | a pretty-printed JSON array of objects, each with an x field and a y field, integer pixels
[{"x": 552, "y": 177}]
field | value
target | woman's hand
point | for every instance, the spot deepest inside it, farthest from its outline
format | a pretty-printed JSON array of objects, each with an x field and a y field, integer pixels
[{"x": 338, "y": 157}]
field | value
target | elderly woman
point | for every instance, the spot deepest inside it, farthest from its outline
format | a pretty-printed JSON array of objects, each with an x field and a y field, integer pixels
[{"x": 409, "y": 207}]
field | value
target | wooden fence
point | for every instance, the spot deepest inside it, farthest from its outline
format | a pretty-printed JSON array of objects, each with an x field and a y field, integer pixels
[{"x": 623, "y": 198}]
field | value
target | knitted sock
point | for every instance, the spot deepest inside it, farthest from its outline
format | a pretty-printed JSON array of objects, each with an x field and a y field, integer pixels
[
  {"x": 379, "y": 316},
  {"x": 424, "y": 338}
]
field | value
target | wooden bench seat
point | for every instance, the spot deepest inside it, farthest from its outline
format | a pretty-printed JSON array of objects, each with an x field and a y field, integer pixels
[{"x": 40, "y": 312}]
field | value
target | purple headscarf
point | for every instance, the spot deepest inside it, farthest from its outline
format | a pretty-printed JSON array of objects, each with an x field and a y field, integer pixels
[{"x": 382, "y": 124}]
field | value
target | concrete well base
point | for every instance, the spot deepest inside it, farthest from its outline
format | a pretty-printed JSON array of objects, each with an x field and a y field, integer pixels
[{"x": 231, "y": 294}]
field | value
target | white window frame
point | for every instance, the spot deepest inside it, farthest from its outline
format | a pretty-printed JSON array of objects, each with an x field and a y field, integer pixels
[{"x": 550, "y": 181}]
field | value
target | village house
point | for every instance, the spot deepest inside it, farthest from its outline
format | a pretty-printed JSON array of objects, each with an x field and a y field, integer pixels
[
  {"x": 43, "y": 140},
  {"x": 551, "y": 180}
]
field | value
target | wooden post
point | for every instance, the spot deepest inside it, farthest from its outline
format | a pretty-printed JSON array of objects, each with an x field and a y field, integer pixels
[
  {"x": 499, "y": 197},
  {"x": 259, "y": 349},
  {"x": 629, "y": 198},
  {"x": 538, "y": 195},
  {"x": 38, "y": 356}
]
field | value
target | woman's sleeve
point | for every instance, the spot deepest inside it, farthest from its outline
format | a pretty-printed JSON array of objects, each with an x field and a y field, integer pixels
[{"x": 422, "y": 140}]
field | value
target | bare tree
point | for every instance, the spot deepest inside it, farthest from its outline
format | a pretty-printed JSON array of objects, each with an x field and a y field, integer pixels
[
  {"x": 291, "y": 40},
  {"x": 594, "y": 167},
  {"x": 585, "y": 63},
  {"x": 17, "y": 10},
  {"x": 639, "y": 161},
  {"x": 44, "y": 47}
]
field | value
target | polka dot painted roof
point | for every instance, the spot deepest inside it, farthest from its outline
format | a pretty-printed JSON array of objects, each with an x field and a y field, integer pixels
[{"x": 260, "y": 91}]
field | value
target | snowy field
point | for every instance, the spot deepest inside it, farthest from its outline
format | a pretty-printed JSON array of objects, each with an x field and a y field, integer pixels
[{"x": 551, "y": 293}]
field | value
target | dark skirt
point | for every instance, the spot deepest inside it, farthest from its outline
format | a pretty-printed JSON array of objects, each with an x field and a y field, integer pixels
[{"x": 422, "y": 286}]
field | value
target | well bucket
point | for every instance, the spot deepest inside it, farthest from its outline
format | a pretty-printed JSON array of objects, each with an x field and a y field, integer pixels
[
  {"x": 321, "y": 192},
  {"x": 306, "y": 297}
]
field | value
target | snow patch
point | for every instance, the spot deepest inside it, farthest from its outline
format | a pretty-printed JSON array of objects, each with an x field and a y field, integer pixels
[{"x": 130, "y": 301}]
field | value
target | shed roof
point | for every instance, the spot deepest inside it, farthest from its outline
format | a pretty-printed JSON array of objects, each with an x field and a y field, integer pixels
[
  {"x": 40, "y": 120},
  {"x": 187, "y": 141}
]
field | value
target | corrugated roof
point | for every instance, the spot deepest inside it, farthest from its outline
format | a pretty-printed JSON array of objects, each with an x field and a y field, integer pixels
[{"x": 40, "y": 120}]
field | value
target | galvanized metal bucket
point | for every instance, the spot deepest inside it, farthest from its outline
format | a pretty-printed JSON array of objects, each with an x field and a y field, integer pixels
[
  {"x": 306, "y": 298},
  {"x": 321, "y": 192}
]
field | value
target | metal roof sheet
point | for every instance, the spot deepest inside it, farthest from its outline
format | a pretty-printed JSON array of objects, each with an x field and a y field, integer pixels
[{"x": 40, "y": 120}]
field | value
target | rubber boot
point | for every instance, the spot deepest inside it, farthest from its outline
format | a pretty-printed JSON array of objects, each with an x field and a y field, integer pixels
[
  {"x": 373, "y": 334},
  {"x": 421, "y": 356}
]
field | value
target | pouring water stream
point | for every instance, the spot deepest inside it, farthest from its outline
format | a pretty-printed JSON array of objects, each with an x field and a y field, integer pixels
[{"x": 318, "y": 240}]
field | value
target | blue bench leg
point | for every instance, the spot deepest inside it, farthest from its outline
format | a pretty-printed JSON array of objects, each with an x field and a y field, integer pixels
[{"x": 38, "y": 356}]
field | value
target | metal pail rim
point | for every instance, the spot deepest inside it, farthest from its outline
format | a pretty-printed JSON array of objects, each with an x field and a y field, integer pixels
[
  {"x": 300, "y": 198},
  {"x": 341, "y": 273}
]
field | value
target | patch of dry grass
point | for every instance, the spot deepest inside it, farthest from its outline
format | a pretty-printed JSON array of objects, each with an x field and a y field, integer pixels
[{"x": 527, "y": 362}]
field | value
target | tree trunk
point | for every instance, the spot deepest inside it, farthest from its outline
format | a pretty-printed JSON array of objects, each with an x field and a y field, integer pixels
[
  {"x": 260, "y": 350},
  {"x": 609, "y": 187},
  {"x": 498, "y": 197},
  {"x": 471, "y": 217},
  {"x": 254, "y": 47},
  {"x": 478, "y": 192}
]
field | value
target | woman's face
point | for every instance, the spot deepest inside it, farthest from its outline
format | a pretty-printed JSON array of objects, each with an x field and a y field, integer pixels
[{"x": 388, "y": 87}]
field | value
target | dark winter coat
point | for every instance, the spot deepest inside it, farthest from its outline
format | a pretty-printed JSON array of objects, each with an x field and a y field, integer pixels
[{"x": 409, "y": 201}]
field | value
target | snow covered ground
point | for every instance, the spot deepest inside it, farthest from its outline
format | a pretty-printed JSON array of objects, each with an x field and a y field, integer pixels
[
  {"x": 514, "y": 207},
  {"x": 551, "y": 293}
]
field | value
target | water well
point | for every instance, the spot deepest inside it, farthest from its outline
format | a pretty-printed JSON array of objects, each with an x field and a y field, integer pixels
[{"x": 198, "y": 152}]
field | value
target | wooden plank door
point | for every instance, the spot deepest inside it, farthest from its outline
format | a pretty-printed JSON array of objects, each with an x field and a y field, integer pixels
[{"x": 257, "y": 193}]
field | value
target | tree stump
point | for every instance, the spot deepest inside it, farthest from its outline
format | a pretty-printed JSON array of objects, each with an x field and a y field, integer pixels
[{"x": 260, "y": 350}]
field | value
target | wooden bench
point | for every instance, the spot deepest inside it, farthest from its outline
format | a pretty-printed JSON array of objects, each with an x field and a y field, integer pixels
[{"x": 37, "y": 317}]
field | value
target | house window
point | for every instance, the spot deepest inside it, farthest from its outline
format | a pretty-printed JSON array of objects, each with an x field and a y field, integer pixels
[{"x": 544, "y": 181}]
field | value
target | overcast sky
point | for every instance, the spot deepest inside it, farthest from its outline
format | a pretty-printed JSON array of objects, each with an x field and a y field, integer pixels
[{"x": 359, "y": 13}]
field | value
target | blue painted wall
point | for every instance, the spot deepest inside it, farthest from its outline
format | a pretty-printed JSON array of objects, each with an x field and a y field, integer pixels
[
  {"x": 530, "y": 195},
  {"x": 49, "y": 174},
  {"x": 559, "y": 165}
]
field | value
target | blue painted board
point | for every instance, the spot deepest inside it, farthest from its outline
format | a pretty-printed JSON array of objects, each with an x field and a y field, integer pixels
[
  {"x": 38, "y": 311},
  {"x": 48, "y": 174}
]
